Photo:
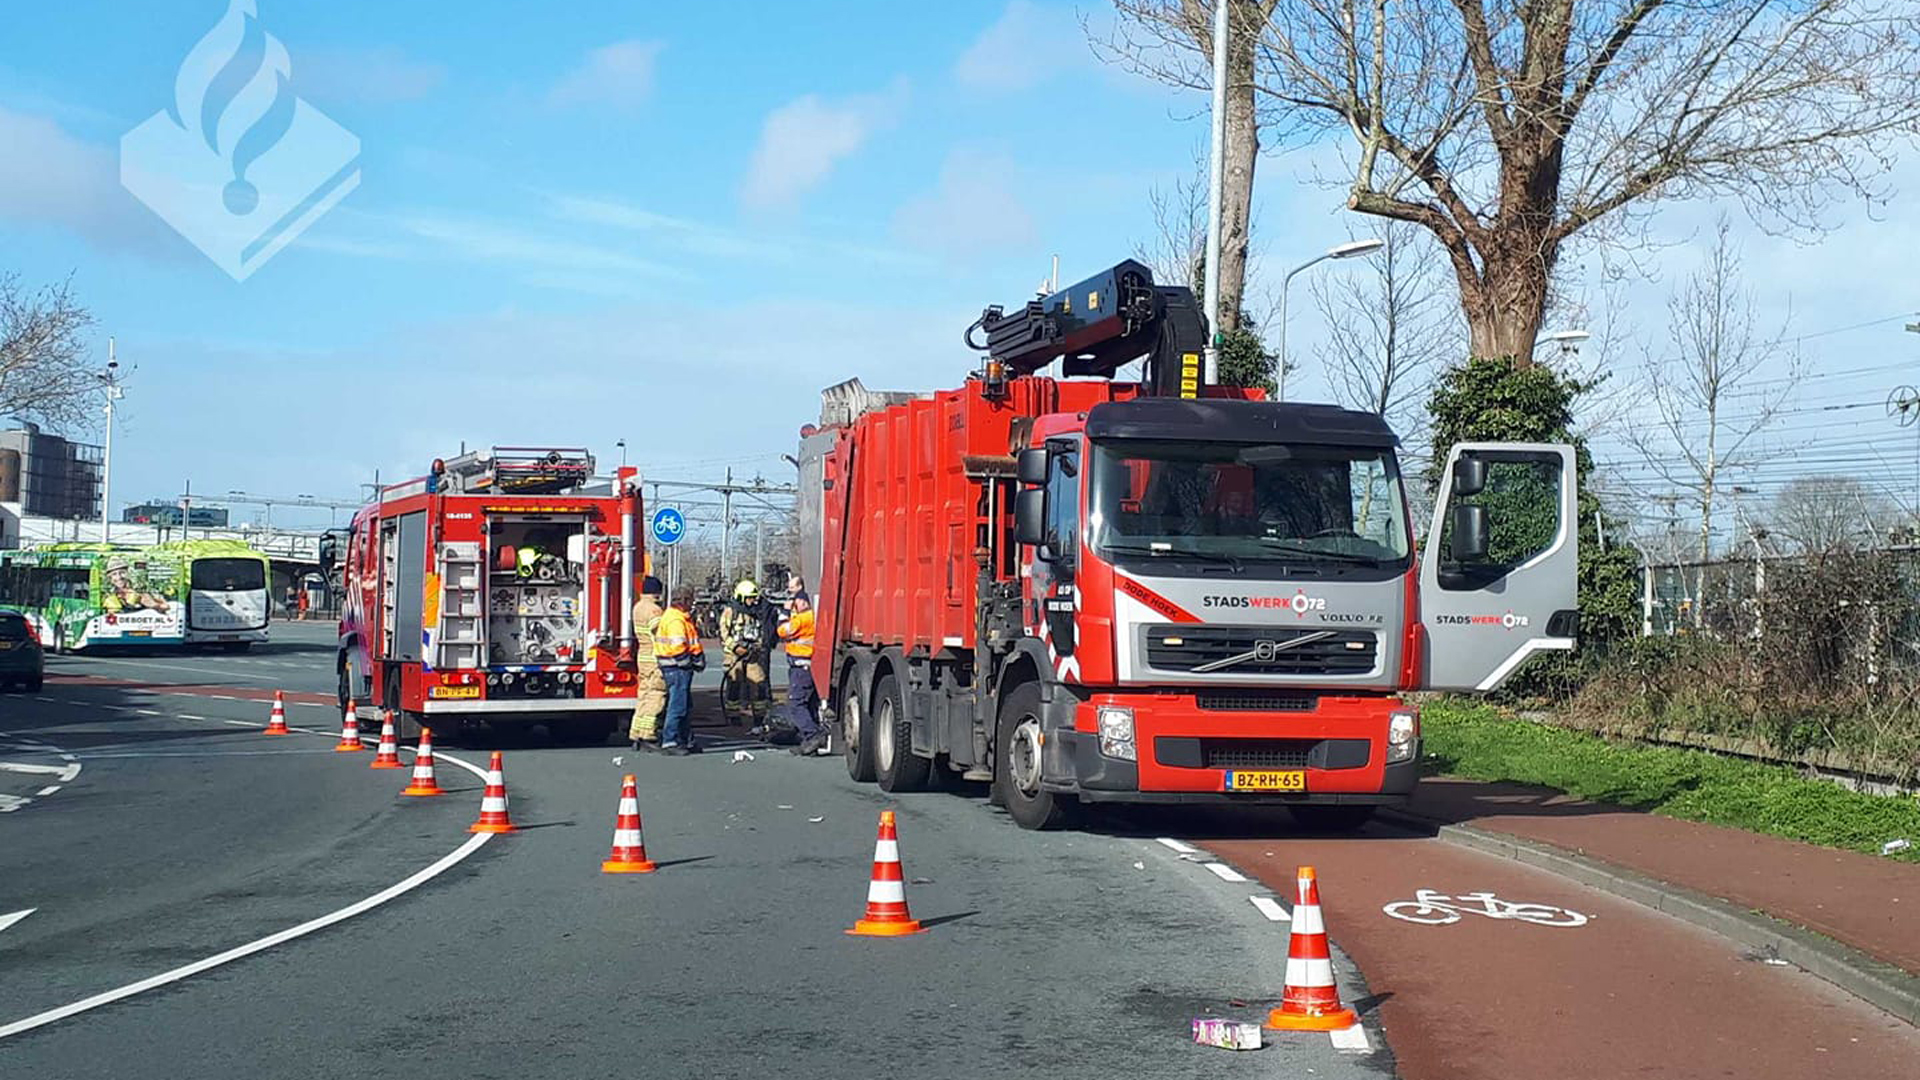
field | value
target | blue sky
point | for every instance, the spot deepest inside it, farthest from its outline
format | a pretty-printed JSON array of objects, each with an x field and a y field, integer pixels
[{"x": 669, "y": 223}]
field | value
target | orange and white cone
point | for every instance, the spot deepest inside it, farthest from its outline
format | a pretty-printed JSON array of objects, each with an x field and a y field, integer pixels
[
  {"x": 349, "y": 730},
  {"x": 423, "y": 782},
  {"x": 1310, "y": 1002},
  {"x": 389, "y": 755},
  {"x": 277, "y": 721},
  {"x": 887, "y": 892},
  {"x": 493, "y": 804},
  {"x": 629, "y": 855}
]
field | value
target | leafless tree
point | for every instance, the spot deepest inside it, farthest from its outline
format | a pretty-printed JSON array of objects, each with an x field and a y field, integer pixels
[
  {"x": 1389, "y": 325},
  {"x": 1172, "y": 40},
  {"x": 1814, "y": 515},
  {"x": 1710, "y": 406},
  {"x": 1509, "y": 127},
  {"x": 1178, "y": 247},
  {"x": 43, "y": 371}
]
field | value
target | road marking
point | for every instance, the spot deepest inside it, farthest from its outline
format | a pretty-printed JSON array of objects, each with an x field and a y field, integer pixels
[
  {"x": 225, "y": 672},
  {"x": 190, "y": 716},
  {"x": 10, "y": 803},
  {"x": 9, "y": 920},
  {"x": 46, "y": 791},
  {"x": 1353, "y": 1038},
  {"x": 64, "y": 772},
  {"x": 1171, "y": 843},
  {"x": 1430, "y": 908},
  {"x": 149, "y": 712},
  {"x": 1271, "y": 908},
  {"x": 1224, "y": 872},
  {"x": 419, "y": 878}
]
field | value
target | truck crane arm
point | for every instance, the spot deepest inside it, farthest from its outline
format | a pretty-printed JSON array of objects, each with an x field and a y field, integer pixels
[{"x": 1099, "y": 325}]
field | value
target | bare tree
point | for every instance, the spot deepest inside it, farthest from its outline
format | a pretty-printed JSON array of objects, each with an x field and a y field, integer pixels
[
  {"x": 43, "y": 370},
  {"x": 1177, "y": 250},
  {"x": 1508, "y": 127},
  {"x": 1172, "y": 41},
  {"x": 1709, "y": 418},
  {"x": 1389, "y": 325},
  {"x": 1815, "y": 515}
]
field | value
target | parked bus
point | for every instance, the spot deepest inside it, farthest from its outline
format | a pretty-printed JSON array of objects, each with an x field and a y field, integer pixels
[{"x": 83, "y": 596}]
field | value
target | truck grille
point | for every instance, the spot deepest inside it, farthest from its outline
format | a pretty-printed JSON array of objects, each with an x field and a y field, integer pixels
[
  {"x": 1185, "y": 648},
  {"x": 1188, "y": 752},
  {"x": 1256, "y": 753},
  {"x": 1256, "y": 701}
]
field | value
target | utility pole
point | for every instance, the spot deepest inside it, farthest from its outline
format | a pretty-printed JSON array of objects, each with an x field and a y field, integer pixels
[
  {"x": 726, "y": 530},
  {"x": 759, "y": 548},
  {"x": 1216, "y": 176},
  {"x": 111, "y": 383}
]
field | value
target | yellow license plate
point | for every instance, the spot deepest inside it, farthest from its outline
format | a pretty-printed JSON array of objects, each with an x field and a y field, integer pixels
[
  {"x": 1267, "y": 780},
  {"x": 454, "y": 692},
  {"x": 5, "y": 645}
]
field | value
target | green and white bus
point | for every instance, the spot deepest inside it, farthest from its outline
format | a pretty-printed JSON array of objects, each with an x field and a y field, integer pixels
[{"x": 192, "y": 592}]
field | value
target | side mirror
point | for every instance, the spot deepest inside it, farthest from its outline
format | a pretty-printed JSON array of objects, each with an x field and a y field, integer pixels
[
  {"x": 1031, "y": 466},
  {"x": 1469, "y": 540},
  {"x": 1469, "y": 476},
  {"x": 1030, "y": 515}
]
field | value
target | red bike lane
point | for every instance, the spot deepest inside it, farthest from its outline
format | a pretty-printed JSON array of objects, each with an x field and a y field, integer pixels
[{"x": 1631, "y": 992}]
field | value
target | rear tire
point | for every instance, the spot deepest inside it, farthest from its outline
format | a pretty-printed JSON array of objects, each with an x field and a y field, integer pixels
[
  {"x": 1018, "y": 739},
  {"x": 1336, "y": 819},
  {"x": 854, "y": 739},
  {"x": 894, "y": 763}
]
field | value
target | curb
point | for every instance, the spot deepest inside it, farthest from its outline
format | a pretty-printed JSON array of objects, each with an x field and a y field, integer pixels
[{"x": 1878, "y": 983}]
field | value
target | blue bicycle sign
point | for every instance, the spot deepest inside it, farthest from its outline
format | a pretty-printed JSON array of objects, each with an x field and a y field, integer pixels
[{"x": 668, "y": 526}]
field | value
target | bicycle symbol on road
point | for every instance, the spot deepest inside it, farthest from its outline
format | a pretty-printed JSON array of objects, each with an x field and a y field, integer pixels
[{"x": 1430, "y": 908}]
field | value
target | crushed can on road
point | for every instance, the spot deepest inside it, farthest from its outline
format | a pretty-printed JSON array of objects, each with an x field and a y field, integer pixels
[{"x": 1226, "y": 1034}]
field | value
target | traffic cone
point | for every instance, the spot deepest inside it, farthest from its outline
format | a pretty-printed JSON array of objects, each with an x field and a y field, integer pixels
[
  {"x": 349, "y": 730},
  {"x": 423, "y": 782},
  {"x": 389, "y": 755},
  {"x": 493, "y": 804},
  {"x": 887, "y": 893},
  {"x": 629, "y": 855},
  {"x": 1310, "y": 1002},
  {"x": 277, "y": 722}
]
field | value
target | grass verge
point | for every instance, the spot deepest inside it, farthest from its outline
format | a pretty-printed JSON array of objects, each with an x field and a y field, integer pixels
[{"x": 1478, "y": 742}]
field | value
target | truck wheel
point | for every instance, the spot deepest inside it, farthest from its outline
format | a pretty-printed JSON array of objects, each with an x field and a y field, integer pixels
[
  {"x": 1331, "y": 818},
  {"x": 858, "y": 748},
  {"x": 894, "y": 762},
  {"x": 1016, "y": 764},
  {"x": 344, "y": 690}
]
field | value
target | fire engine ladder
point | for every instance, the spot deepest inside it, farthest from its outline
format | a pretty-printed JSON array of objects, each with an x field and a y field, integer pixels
[{"x": 460, "y": 636}]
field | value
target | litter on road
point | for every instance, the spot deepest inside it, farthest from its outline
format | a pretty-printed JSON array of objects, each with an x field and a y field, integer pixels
[
  {"x": 741, "y": 755},
  {"x": 1226, "y": 1034}
]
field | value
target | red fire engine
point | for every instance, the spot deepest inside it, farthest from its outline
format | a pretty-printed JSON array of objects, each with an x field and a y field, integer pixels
[
  {"x": 1082, "y": 589},
  {"x": 494, "y": 590}
]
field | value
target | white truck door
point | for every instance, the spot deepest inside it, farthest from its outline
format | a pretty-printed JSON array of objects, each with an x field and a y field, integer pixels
[{"x": 1498, "y": 577}]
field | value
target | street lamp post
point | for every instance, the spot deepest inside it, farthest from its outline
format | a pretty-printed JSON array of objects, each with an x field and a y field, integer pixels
[
  {"x": 1216, "y": 175},
  {"x": 1568, "y": 340},
  {"x": 110, "y": 382},
  {"x": 1347, "y": 250}
]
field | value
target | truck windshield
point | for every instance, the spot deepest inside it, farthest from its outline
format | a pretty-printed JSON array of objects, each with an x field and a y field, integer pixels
[{"x": 1248, "y": 502}]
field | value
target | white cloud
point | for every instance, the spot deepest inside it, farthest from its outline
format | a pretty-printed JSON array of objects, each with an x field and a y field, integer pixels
[
  {"x": 620, "y": 75},
  {"x": 804, "y": 139},
  {"x": 50, "y": 177},
  {"x": 381, "y": 75},
  {"x": 973, "y": 210},
  {"x": 1028, "y": 44},
  {"x": 534, "y": 252}
]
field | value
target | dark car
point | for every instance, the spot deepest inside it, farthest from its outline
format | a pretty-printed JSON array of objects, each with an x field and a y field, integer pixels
[{"x": 21, "y": 661}]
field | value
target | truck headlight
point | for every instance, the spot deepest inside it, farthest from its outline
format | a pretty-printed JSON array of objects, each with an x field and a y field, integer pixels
[
  {"x": 1116, "y": 732},
  {"x": 1403, "y": 736}
]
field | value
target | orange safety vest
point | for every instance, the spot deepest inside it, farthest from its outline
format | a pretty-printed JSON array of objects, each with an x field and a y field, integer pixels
[
  {"x": 797, "y": 632},
  {"x": 676, "y": 641}
]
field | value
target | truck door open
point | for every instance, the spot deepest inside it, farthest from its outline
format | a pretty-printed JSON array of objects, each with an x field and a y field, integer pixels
[{"x": 1498, "y": 577}]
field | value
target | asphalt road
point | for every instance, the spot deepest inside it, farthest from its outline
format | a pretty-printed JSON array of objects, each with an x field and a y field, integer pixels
[{"x": 185, "y": 833}]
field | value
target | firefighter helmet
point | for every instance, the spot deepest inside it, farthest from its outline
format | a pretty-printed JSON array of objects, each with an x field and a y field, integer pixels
[{"x": 746, "y": 590}]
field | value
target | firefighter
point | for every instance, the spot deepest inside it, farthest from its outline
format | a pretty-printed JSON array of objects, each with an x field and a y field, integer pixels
[
  {"x": 650, "y": 689},
  {"x": 746, "y": 635},
  {"x": 678, "y": 651},
  {"x": 802, "y": 702}
]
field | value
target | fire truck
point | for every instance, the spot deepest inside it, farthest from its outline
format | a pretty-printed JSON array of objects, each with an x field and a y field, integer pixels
[
  {"x": 1085, "y": 589},
  {"x": 494, "y": 590}
]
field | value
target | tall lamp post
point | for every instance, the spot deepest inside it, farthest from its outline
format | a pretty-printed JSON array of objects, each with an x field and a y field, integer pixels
[
  {"x": 110, "y": 382},
  {"x": 1568, "y": 340},
  {"x": 1348, "y": 250}
]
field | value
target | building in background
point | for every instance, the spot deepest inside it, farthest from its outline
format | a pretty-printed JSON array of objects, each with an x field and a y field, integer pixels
[
  {"x": 168, "y": 513},
  {"x": 49, "y": 476}
]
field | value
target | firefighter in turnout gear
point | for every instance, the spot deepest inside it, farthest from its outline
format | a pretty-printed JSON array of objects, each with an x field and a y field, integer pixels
[
  {"x": 650, "y": 691},
  {"x": 746, "y": 634}
]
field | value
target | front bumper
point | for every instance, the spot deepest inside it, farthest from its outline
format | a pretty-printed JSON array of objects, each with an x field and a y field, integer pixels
[{"x": 1185, "y": 753}]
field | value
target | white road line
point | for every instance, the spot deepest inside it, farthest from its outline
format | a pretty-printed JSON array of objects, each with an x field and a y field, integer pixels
[
  {"x": 1170, "y": 842},
  {"x": 223, "y": 672},
  {"x": 149, "y": 712},
  {"x": 190, "y": 716},
  {"x": 445, "y": 863},
  {"x": 9, "y": 920},
  {"x": 1271, "y": 908},
  {"x": 10, "y": 803},
  {"x": 46, "y": 791},
  {"x": 64, "y": 772},
  {"x": 242, "y": 723},
  {"x": 1224, "y": 872},
  {"x": 1353, "y": 1038}
]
